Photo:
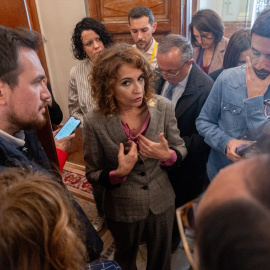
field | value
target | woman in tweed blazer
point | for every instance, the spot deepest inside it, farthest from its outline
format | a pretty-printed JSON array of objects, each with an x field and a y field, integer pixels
[{"x": 130, "y": 140}]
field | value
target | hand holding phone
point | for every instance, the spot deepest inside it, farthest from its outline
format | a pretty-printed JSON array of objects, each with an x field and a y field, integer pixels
[
  {"x": 245, "y": 148},
  {"x": 68, "y": 128}
]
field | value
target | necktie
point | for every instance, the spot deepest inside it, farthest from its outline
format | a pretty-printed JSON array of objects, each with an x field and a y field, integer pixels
[{"x": 169, "y": 92}]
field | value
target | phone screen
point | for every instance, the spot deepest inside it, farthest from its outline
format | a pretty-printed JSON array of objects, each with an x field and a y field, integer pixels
[{"x": 68, "y": 128}]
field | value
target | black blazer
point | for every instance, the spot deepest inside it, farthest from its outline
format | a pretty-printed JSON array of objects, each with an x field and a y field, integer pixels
[{"x": 188, "y": 180}]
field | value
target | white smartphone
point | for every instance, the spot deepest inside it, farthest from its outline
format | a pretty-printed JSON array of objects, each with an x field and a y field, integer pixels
[{"x": 71, "y": 124}]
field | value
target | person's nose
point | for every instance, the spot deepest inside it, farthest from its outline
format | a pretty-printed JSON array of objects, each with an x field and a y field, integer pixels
[
  {"x": 138, "y": 88},
  {"x": 140, "y": 35},
  {"x": 45, "y": 93},
  {"x": 96, "y": 44}
]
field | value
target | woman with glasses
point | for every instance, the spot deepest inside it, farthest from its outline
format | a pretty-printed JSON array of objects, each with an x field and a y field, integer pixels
[
  {"x": 131, "y": 140},
  {"x": 88, "y": 41},
  {"x": 209, "y": 44}
]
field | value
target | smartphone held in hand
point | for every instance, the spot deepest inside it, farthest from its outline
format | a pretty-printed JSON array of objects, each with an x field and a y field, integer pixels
[
  {"x": 68, "y": 128},
  {"x": 246, "y": 148}
]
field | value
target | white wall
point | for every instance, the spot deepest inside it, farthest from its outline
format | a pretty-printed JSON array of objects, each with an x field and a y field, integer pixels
[{"x": 57, "y": 20}]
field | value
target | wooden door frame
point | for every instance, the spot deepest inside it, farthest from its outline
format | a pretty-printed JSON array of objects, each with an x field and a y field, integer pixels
[{"x": 175, "y": 12}]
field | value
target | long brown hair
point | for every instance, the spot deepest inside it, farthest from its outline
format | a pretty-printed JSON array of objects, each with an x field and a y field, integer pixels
[
  {"x": 38, "y": 227},
  {"x": 105, "y": 71}
]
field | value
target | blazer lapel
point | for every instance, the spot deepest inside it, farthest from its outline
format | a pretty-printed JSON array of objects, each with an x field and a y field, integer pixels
[
  {"x": 190, "y": 94},
  {"x": 115, "y": 129},
  {"x": 153, "y": 129}
]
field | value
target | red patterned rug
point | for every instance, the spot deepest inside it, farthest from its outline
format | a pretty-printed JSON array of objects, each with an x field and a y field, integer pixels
[
  {"x": 76, "y": 181},
  {"x": 80, "y": 188}
]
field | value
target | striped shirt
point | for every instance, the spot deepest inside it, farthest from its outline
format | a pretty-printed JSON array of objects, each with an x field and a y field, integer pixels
[{"x": 80, "y": 100}]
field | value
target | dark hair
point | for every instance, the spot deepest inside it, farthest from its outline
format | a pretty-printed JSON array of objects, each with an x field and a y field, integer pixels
[
  {"x": 141, "y": 11},
  {"x": 38, "y": 224},
  {"x": 104, "y": 75},
  {"x": 239, "y": 42},
  {"x": 176, "y": 41},
  {"x": 10, "y": 42},
  {"x": 235, "y": 235},
  {"x": 261, "y": 26},
  {"x": 88, "y": 24},
  {"x": 207, "y": 20}
]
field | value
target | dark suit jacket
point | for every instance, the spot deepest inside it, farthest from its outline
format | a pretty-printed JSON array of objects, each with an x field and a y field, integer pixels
[
  {"x": 147, "y": 186},
  {"x": 188, "y": 179}
]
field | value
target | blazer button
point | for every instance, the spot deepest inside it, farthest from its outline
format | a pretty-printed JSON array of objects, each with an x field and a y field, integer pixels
[
  {"x": 141, "y": 173},
  {"x": 145, "y": 187}
]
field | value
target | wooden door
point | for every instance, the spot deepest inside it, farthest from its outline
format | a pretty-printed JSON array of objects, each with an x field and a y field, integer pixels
[
  {"x": 23, "y": 13},
  {"x": 114, "y": 15}
]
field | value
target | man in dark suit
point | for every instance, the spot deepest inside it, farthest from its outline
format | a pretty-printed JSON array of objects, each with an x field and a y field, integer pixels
[{"x": 182, "y": 81}]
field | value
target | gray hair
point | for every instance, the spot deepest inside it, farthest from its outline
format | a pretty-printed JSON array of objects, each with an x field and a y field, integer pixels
[{"x": 172, "y": 41}]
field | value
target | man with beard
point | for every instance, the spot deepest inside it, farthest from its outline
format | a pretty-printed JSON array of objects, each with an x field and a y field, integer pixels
[
  {"x": 142, "y": 25},
  {"x": 239, "y": 102},
  {"x": 23, "y": 98}
]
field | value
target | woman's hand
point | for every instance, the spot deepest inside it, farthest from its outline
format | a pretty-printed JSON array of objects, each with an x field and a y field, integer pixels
[
  {"x": 126, "y": 162},
  {"x": 154, "y": 150}
]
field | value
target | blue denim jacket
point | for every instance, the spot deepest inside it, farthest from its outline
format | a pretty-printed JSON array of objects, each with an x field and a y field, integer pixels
[{"x": 229, "y": 114}]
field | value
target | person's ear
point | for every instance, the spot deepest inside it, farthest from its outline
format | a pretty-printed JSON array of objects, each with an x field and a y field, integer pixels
[
  {"x": 3, "y": 89},
  {"x": 189, "y": 62},
  {"x": 154, "y": 27}
]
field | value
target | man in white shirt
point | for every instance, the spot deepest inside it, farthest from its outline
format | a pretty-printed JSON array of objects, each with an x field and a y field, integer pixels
[
  {"x": 142, "y": 25},
  {"x": 183, "y": 82}
]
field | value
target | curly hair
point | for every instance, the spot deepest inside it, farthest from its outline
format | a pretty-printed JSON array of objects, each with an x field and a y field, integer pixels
[
  {"x": 207, "y": 20},
  {"x": 104, "y": 74},
  {"x": 88, "y": 24},
  {"x": 38, "y": 226}
]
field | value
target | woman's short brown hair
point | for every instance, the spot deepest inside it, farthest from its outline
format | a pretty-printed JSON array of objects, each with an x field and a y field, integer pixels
[
  {"x": 105, "y": 72},
  {"x": 38, "y": 226},
  {"x": 207, "y": 20}
]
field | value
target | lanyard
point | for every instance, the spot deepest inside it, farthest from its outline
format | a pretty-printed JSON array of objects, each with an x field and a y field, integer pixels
[
  {"x": 153, "y": 53},
  {"x": 201, "y": 56}
]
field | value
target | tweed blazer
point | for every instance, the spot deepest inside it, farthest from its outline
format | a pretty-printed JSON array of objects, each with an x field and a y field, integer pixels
[
  {"x": 147, "y": 186},
  {"x": 217, "y": 60}
]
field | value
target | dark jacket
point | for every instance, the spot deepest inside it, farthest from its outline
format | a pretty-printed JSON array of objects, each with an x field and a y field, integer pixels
[
  {"x": 188, "y": 180},
  {"x": 55, "y": 111},
  {"x": 32, "y": 156}
]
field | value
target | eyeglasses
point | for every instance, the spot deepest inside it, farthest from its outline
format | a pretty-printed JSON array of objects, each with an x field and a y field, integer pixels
[
  {"x": 204, "y": 37},
  {"x": 267, "y": 108},
  {"x": 185, "y": 216},
  {"x": 167, "y": 73}
]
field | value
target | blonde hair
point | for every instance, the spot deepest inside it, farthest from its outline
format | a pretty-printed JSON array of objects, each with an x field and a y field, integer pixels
[
  {"x": 105, "y": 71},
  {"x": 38, "y": 227}
]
